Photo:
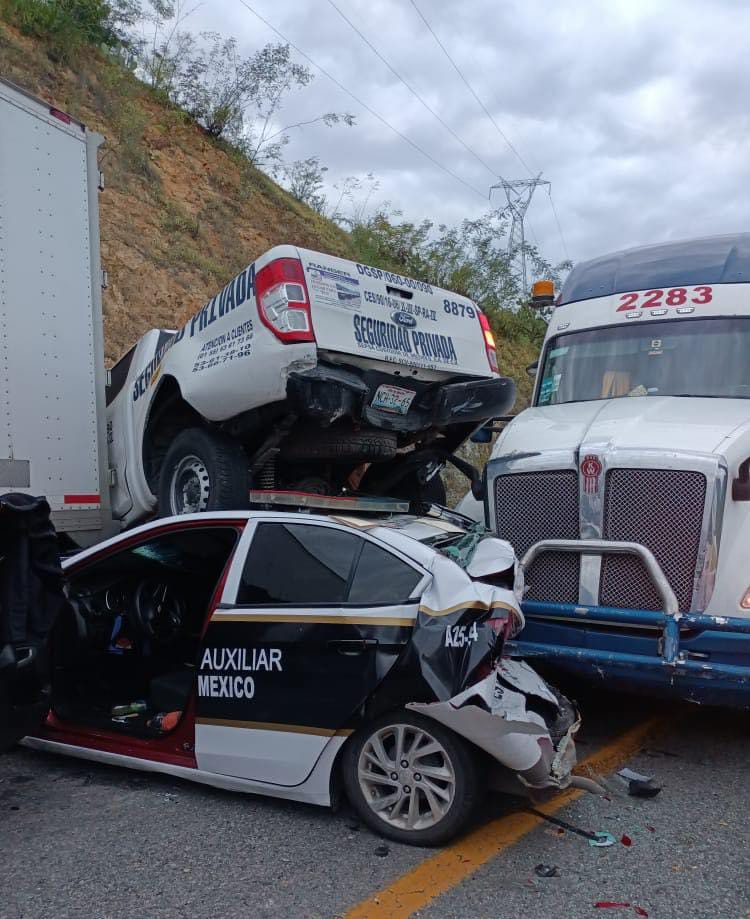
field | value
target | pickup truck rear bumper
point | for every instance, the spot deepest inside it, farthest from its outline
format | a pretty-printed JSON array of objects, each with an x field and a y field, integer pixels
[{"x": 329, "y": 393}]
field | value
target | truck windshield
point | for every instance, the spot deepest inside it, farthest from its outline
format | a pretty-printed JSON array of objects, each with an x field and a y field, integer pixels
[{"x": 690, "y": 357}]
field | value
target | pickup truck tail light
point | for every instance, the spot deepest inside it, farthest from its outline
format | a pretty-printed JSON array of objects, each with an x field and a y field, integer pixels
[
  {"x": 283, "y": 301},
  {"x": 489, "y": 341}
]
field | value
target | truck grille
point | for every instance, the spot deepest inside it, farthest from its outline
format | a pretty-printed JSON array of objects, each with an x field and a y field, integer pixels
[
  {"x": 663, "y": 510},
  {"x": 530, "y": 506}
]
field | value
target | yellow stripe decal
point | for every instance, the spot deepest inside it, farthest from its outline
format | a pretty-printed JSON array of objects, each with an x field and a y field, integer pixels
[
  {"x": 477, "y": 604},
  {"x": 393, "y": 621},
  {"x": 272, "y": 726},
  {"x": 451, "y": 865}
]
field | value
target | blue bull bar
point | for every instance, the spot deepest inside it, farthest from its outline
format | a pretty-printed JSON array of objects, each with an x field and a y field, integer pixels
[{"x": 670, "y": 663}]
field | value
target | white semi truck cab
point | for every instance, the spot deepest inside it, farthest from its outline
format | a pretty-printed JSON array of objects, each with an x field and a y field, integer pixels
[{"x": 626, "y": 484}]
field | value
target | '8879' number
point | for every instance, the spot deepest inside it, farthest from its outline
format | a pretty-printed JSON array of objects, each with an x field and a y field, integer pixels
[
  {"x": 459, "y": 309},
  {"x": 675, "y": 296}
]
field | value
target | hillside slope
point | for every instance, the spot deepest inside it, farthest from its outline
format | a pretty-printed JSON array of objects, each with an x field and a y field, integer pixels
[{"x": 180, "y": 215}]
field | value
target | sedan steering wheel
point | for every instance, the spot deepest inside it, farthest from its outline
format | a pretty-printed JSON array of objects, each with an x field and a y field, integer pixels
[{"x": 158, "y": 611}]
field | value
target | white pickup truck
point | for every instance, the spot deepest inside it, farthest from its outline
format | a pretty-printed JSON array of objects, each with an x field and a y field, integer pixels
[{"x": 306, "y": 373}]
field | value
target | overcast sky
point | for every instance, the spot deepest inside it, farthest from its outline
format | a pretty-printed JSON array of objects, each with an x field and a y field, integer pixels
[{"x": 637, "y": 111}]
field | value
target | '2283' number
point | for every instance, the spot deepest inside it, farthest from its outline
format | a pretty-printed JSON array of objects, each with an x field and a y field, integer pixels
[{"x": 676, "y": 296}]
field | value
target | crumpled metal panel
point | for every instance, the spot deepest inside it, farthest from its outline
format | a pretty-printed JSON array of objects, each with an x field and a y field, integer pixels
[{"x": 495, "y": 715}]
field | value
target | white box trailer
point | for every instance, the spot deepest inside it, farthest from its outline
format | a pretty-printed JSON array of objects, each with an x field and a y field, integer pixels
[{"x": 53, "y": 434}]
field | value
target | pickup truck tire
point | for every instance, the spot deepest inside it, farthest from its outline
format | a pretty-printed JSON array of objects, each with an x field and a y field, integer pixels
[
  {"x": 341, "y": 444},
  {"x": 408, "y": 487},
  {"x": 412, "y": 489},
  {"x": 203, "y": 471}
]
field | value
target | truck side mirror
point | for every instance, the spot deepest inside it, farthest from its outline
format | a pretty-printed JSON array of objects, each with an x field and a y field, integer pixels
[
  {"x": 533, "y": 369},
  {"x": 741, "y": 485},
  {"x": 482, "y": 436}
]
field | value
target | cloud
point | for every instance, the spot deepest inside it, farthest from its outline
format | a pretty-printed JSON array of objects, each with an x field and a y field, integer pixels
[{"x": 635, "y": 111}]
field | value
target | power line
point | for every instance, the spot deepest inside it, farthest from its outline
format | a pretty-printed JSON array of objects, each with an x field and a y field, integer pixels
[
  {"x": 559, "y": 225},
  {"x": 364, "y": 105},
  {"x": 487, "y": 112},
  {"x": 473, "y": 92},
  {"x": 413, "y": 91}
]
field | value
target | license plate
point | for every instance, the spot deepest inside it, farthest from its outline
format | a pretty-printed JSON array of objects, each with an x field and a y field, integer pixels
[{"x": 393, "y": 399}]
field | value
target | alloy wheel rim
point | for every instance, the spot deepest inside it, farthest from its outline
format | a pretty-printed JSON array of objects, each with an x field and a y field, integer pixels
[
  {"x": 190, "y": 487},
  {"x": 406, "y": 777}
]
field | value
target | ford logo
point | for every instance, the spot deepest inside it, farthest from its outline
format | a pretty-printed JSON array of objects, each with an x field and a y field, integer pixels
[{"x": 404, "y": 319}]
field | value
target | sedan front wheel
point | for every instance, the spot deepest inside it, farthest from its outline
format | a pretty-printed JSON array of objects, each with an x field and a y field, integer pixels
[{"x": 412, "y": 779}]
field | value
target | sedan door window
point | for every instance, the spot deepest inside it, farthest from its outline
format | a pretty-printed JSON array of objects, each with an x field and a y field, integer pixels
[
  {"x": 295, "y": 564},
  {"x": 381, "y": 578}
]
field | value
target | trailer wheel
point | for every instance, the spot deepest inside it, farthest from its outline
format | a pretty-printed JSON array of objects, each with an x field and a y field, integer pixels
[
  {"x": 203, "y": 471},
  {"x": 411, "y": 779}
]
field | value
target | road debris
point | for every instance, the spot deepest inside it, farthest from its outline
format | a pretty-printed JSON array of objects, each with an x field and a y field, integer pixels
[
  {"x": 602, "y": 840},
  {"x": 639, "y": 786},
  {"x": 599, "y": 838},
  {"x": 547, "y": 871},
  {"x": 382, "y": 851}
]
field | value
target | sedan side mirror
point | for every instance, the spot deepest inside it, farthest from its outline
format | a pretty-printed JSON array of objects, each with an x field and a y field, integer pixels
[{"x": 533, "y": 369}]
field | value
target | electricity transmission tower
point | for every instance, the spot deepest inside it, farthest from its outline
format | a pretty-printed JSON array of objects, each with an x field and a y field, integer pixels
[{"x": 519, "y": 193}]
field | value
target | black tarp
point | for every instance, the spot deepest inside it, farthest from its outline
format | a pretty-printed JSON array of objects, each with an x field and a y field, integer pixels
[{"x": 31, "y": 597}]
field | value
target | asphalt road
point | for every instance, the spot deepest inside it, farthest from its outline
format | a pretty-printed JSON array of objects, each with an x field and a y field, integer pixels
[{"x": 82, "y": 840}]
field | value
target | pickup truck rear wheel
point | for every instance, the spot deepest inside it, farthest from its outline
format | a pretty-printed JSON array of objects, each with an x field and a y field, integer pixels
[
  {"x": 203, "y": 471},
  {"x": 432, "y": 491}
]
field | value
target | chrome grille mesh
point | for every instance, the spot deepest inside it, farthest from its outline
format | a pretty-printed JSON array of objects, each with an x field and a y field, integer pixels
[
  {"x": 663, "y": 510},
  {"x": 530, "y": 506}
]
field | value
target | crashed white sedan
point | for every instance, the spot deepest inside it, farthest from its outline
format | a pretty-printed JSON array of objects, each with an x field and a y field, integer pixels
[{"x": 299, "y": 655}]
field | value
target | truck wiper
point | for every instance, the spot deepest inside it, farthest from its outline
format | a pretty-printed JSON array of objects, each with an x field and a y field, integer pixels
[{"x": 694, "y": 395}]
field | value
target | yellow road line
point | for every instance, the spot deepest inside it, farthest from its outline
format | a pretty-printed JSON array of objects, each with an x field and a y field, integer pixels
[{"x": 449, "y": 866}]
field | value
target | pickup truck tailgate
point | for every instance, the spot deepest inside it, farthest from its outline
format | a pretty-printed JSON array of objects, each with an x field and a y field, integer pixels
[{"x": 372, "y": 313}]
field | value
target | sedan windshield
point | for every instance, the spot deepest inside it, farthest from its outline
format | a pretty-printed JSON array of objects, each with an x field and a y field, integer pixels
[{"x": 691, "y": 357}]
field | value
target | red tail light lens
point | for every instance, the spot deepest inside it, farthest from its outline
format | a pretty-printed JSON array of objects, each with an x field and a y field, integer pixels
[
  {"x": 489, "y": 341},
  {"x": 283, "y": 301},
  {"x": 63, "y": 116},
  {"x": 499, "y": 625}
]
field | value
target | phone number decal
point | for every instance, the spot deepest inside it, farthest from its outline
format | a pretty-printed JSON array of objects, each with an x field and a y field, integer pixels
[{"x": 675, "y": 296}]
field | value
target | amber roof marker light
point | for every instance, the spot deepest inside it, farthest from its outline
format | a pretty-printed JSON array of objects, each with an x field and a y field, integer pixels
[{"x": 542, "y": 294}]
